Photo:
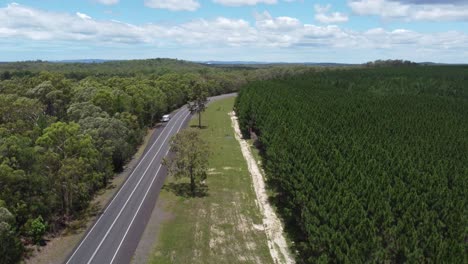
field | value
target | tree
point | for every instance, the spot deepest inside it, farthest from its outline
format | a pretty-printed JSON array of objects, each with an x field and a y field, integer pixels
[
  {"x": 111, "y": 138},
  {"x": 105, "y": 100},
  {"x": 10, "y": 246},
  {"x": 190, "y": 157},
  {"x": 54, "y": 99},
  {"x": 175, "y": 87},
  {"x": 6, "y": 75},
  {"x": 131, "y": 122},
  {"x": 69, "y": 159},
  {"x": 35, "y": 229},
  {"x": 16, "y": 152},
  {"x": 78, "y": 111},
  {"x": 19, "y": 114},
  {"x": 198, "y": 99}
]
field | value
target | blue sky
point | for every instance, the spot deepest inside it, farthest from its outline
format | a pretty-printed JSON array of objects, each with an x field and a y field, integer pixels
[{"x": 348, "y": 31}]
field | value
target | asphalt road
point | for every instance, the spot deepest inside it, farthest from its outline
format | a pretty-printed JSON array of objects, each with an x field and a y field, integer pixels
[{"x": 114, "y": 236}]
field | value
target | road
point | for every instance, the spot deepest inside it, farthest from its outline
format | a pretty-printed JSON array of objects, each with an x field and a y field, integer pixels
[{"x": 114, "y": 236}]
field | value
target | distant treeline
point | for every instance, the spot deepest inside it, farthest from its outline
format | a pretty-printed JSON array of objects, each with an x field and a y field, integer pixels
[
  {"x": 369, "y": 165},
  {"x": 65, "y": 128},
  {"x": 387, "y": 63}
]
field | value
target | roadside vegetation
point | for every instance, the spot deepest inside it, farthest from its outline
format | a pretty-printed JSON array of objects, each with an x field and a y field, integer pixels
[
  {"x": 368, "y": 165},
  {"x": 222, "y": 224},
  {"x": 66, "y": 129},
  {"x": 189, "y": 159}
]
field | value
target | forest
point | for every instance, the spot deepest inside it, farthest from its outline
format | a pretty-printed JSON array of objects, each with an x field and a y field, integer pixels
[
  {"x": 366, "y": 165},
  {"x": 67, "y": 128}
]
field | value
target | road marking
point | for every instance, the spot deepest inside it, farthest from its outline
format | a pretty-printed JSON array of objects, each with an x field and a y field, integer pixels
[
  {"x": 121, "y": 188},
  {"x": 131, "y": 195},
  {"x": 144, "y": 198},
  {"x": 131, "y": 175}
]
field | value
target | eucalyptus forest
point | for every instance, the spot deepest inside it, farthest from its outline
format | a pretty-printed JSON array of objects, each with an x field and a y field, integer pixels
[
  {"x": 368, "y": 164},
  {"x": 66, "y": 128}
]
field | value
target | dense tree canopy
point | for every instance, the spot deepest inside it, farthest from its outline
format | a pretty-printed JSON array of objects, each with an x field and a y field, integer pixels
[
  {"x": 370, "y": 165},
  {"x": 66, "y": 127},
  {"x": 10, "y": 245}
]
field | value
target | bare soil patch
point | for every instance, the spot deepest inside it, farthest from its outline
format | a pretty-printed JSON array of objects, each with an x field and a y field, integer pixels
[{"x": 272, "y": 224}]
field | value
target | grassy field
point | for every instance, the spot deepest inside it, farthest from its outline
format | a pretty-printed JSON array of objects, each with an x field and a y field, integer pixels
[{"x": 225, "y": 225}]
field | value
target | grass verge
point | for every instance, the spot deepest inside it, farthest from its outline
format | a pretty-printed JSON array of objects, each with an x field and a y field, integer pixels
[{"x": 225, "y": 226}]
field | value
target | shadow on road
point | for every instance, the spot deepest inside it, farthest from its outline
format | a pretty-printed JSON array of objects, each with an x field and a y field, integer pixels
[{"x": 183, "y": 189}]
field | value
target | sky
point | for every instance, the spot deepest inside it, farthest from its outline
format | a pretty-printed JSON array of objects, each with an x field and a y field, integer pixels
[{"x": 343, "y": 31}]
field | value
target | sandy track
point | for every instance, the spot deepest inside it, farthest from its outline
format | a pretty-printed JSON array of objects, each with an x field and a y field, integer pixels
[{"x": 273, "y": 226}]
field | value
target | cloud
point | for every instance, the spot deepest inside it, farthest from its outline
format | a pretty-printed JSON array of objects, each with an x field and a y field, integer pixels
[
  {"x": 276, "y": 31},
  {"x": 322, "y": 16},
  {"x": 265, "y": 21},
  {"x": 412, "y": 10},
  {"x": 173, "y": 5},
  {"x": 379, "y": 7},
  {"x": 29, "y": 23},
  {"x": 18, "y": 22},
  {"x": 82, "y": 16},
  {"x": 244, "y": 2},
  {"x": 201, "y": 32},
  {"x": 108, "y": 2}
]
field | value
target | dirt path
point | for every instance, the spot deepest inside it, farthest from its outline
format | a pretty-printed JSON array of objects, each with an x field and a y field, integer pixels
[{"x": 272, "y": 224}]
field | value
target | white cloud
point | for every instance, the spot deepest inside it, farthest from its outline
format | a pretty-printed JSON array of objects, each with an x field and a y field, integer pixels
[
  {"x": 265, "y": 21},
  {"x": 332, "y": 18},
  {"x": 277, "y": 31},
  {"x": 417, "y": 11},
  {"x": 220, "y": 31},
  {"x": 244, "y": 2},
  {"x": 108, "y": 2},
  {"x": 322, "y": 16},
  {"x": 25, "y": 22},
  {"x": 82, "y": 16},
  {"x": 322, "y": 8},
  {"x": 173, "y": 5},
  {"x": 437, "y": 13},
  {"x": 18, "y": 22},
  {"x": 378, "y": 7}
]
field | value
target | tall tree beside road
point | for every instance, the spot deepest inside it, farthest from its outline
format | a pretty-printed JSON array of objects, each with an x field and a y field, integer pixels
[
  {"x": 69, "y": 159},
  {"x": 10, "y": 245},
  {"x": 198, "y": 99},
  {"x": 190, "y": 157}
]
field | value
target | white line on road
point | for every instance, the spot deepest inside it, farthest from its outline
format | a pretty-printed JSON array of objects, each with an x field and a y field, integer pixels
[
  {"x": 113, "y": 199},
  {"x": 144, "y": 198},
  {"x": 128, "y": 199}
]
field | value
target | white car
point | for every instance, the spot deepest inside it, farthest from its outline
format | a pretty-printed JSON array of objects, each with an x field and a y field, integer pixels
[{"x": 165, "y": 118}]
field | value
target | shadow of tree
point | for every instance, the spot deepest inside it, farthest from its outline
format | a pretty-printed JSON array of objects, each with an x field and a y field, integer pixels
[
  {"x": 196, "y": 126},
  {"x": 183, "y": 189}
]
